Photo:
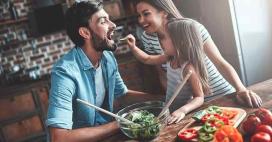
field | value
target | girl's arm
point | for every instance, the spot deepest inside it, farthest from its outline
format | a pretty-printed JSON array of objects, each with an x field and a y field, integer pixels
[
  {"x": 142, "y": 56},
  {"x": 197, "y": 101},
  {"x": 244, "y": 96}
]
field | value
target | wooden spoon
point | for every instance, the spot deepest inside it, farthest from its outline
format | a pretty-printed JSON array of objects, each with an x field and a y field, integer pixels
[
  {"x": 180, "y": 86},
  {"x": 105, "y": 111}
]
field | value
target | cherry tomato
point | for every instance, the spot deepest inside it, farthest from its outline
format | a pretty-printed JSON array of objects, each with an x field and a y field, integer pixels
[
  {"x": 260, "y": 137},
  {"x": 251, "y": 123},
  {"x": 265, "y": 116},
  {"x": 264, "y": 128}
]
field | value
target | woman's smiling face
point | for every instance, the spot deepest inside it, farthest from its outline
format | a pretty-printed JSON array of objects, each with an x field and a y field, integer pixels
[{"x": 150, "y": 18}]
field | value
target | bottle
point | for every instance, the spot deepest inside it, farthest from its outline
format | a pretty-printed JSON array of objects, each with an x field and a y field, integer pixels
[{"x": 13, "y": 11}]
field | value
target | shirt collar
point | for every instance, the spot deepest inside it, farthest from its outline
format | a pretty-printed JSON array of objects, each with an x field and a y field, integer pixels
[{"x": 85, "y": 63}]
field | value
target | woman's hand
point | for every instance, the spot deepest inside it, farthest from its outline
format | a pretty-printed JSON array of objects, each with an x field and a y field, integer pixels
[
  {"x": 176, "y": 116},
  {"x": 131, "y": 41},
  {"x": 249, "y": 98}
]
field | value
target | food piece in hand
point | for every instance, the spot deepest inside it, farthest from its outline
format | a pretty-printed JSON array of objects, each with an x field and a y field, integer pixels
[{"x": 123, "y": 39}]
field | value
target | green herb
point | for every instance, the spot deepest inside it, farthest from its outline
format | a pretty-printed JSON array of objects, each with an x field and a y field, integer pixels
[{"x": 149, "y": 125}]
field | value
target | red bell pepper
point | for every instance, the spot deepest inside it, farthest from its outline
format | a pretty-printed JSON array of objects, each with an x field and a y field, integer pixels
[
  {"x": 188, "y": 134},
  {"x": 215, "y": 116}
]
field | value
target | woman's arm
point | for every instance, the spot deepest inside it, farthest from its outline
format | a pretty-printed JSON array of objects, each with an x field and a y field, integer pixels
[
  {"x": 243, "y": 94},
  {"x": 142, "y": 56},
  {"x": 197, "y": 101}
]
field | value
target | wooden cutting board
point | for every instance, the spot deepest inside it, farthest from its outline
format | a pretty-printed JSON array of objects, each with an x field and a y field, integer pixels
[
  {"x": 241, "y": 114},
  {"x": 239, "y": 117}
]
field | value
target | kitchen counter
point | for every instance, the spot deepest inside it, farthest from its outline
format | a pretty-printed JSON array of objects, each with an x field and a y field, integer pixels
[
  {"x": 169, "y": 133},
  {"x": 20, "y": 88},
  {"x": 24, "y": 104}
]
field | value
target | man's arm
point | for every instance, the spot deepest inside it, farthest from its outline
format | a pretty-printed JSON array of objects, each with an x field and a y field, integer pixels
[{"x": 89, "y": 134}]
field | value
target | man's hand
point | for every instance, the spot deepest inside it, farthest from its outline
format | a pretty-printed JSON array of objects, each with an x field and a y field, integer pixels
[{"x": 249, "y": 98}]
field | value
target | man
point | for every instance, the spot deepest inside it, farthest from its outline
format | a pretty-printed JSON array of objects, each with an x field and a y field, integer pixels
[{"x": 88, "y": 72}]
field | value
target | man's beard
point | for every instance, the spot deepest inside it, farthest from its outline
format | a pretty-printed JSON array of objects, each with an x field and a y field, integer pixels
[{"x": 101, "y": 45}]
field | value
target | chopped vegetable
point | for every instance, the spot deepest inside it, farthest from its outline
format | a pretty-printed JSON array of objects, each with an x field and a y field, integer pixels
[
  {"x": 205, "y": 137},
  {"x": 188, "y": 135},
  {"x": 198, "y": 115},
  {"x": 149, "y": 125},
  {"x": 214, "y": 110},
  {"x": 227, "y": 133},
  {"x": 215, "y": 116},
  {"x": 213, "y": 119},
  {"x": 229, "y": 113}
]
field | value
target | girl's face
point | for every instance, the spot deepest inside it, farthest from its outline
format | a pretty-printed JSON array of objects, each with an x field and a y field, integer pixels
[{"x": 150, "y": 18}]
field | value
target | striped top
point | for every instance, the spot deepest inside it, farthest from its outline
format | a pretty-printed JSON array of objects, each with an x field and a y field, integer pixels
[{"x": 218, "y": 85}]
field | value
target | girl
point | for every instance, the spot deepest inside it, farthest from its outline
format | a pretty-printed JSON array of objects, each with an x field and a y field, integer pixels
[
  {"x": 154, "y": 16},
  {"x": 186, "y": 55}
]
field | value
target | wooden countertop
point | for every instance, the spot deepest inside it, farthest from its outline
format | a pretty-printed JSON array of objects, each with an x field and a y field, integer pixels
[{"x": 169, "y": 133}]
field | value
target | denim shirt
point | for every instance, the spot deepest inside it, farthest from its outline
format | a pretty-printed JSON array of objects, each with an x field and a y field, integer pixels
[{"x": 72, "y": 77}]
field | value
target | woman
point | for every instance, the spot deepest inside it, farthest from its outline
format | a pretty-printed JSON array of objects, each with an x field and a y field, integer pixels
[{"x": 154, "y": 16}]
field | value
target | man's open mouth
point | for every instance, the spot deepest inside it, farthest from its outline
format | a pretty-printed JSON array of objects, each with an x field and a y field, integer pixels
[{"x": 110, "y": 34}]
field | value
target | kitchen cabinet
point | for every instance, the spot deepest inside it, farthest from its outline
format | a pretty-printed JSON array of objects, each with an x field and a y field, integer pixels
[{"x": 23, "y": 112}]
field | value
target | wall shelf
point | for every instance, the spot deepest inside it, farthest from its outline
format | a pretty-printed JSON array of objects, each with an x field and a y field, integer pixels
[{"x": 10, "y": 21}]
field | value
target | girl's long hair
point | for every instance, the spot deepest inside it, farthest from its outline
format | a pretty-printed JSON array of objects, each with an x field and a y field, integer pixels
[
  {"x": 163, "y": 5},
  {"x": 188, "y": 43}
]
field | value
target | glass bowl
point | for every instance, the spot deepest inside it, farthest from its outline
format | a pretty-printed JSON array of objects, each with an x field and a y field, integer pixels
[{"x": 151, "y": 126}]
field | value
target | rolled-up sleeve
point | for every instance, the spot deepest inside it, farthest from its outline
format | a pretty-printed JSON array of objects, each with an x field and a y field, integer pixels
[
  {"x": 60, "y": 110},
  {"x": 120, "y": 87}
]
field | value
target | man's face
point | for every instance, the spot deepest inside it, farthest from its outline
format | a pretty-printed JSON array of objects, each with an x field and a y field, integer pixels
[{"x": 102, "y": 30}]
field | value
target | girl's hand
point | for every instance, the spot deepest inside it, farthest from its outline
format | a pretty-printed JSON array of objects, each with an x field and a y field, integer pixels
[
  {"x": 176, "y": 117},
  {"x": 249, "y": 98},
  {"x": 131, "y": 41}
]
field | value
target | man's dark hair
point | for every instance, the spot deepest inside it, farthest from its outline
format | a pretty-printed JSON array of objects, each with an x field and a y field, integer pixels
[{"x": 77, "y": 16}]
